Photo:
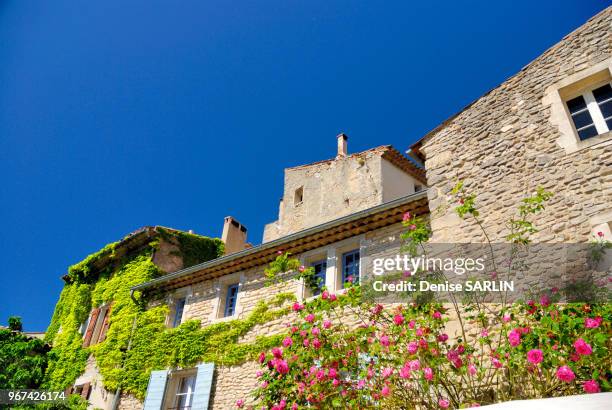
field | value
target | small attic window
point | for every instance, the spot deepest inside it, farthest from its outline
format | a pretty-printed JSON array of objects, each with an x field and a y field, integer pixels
[{"x": 298, "y": 197}]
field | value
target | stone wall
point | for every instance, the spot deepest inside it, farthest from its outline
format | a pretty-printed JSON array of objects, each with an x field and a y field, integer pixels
[{"x": 505, "y": 145}]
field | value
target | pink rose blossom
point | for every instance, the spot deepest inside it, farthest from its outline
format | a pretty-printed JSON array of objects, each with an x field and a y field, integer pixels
[
  {"x": 327, "y": 324},
  {"x": 384, "y": 340},
  {"x": 325, "y": 295},
  {"x": 428, "y": 373},
  {"x": 590, "y": 323},
  {"x": 591, "y": 386},
  {"x": 387, "y": 371},
  {"x": 600, "y": 234},
  {"x": 496, "y": 363},
  {"x": 404, "y": 372},
  {"x": 297, "y": 307},
  {"x": 582, "y": 347},
  {"x": 310, "y": 318},
  {"x": 332, "y": 373},
  {"x": 411, "y": 324},
  {"x": 443, "y": 403},
  {"x": 240, "y": 403},
  {"x": 259, "y": 373},
  {"x": 306, "y": 343},
  {"x": 385, "y": 391},
  {"x": 262, "y": 357},
  {"x": 413, "y": 347},
  {"x": 443, "y": 337},
  {"x": 414, "y": 364},
  {"x": 437, "y": 315},
  {"x": 282, "y": 367},
  {"x": 472, "y": 369},
  {"x": 277, "y": 352},
  {"x": 361, "y": 384},
  {"x": 514, "y": 337},
  {"x": 484, "y": 333},
  {"x": 316, "y": 343},
  {"x": 294, "y": 406},
  {"x": 535, "y": 356},
  {"x": 287, "y": 341},
  {"x": 507, "y": 318},
  {"x": 264, "y": 384},
  {"x": 316, "y": 331},
  {"x": 332, "y": 297},
  {"x": 398, "y": 319},
  {"x": 335, "y": 382},
  {"x": 406, "y": 216},
  {"x": 565, "y": 374},
  {"x": 544, "y": 301}
]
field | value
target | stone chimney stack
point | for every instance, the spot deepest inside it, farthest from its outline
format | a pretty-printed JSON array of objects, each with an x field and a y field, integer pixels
[
  {"x": 342, "y": 145},
  {"x": 234, "y": 235}
]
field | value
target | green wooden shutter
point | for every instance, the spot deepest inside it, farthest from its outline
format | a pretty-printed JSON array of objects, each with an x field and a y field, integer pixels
[
  {"x": 203, "y": 386},
  {"x": 156, "y": 390}
]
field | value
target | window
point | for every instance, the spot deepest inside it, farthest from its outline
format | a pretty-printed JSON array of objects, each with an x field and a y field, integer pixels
[
  {"x": 350, "y": 266},
  {"x": 591, "y": 112},
  {"x": 320, "y": 269},
  {"x": 230, "y": 300},
  {"x": 179, "y": 308},
  {"x": 97, "y": 326},
  {"x": 298, "y": 197},
  {"x": 184, "y": 393}
]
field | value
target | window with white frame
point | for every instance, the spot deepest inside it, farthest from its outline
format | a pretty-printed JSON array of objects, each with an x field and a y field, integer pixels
[
  {"x": 181, "y": 392},
  {"x": 176, "y": 317},
  {"x": 320, "y": 270},
  {"x": 350, "y": 266},
  {"x": 231, "y": 297},
  {"x": 591, "y": 112}
]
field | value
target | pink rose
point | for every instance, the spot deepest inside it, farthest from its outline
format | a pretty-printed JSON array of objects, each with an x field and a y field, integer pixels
[
  {"x": 600, "y": 234},
  {"x": 332, "y": 373},
  {"x": 507, "y": 318},
  {"x": 240, "y": 403},
  {"x": 535, "y": 356},
  {"x": 582, "y": 347},
  {"x": 414, "y": 364},
  {"x": 385, "y": 391},
  {"x": 316, "y": 331},
  {"x": 565, "y": 374},
  {"x": 277, "y": 352},
  {"x": 514, "y": 337},
  {"x": 437, "y": 315},
  {"x": 316, "y": 343},
  {"x": 325, "y": 295},
  {"x": 443, "y": 337},
  {"x": 419, "y": 332},
  {"x": 332, "y": 297},
  {"x": 404, "y": 372},
  {"x": 384, "y": 340},
  {"x": 592, "y": 323},
  {"x": 428, "y": 373},
  {"x": 287, "y": 341},
  {"x": 294, "y": 406},
  {"x": 484, "y": 333},
  {"x": 411, "y": 324},
  {"x": 335, "y": 382},
  {"x": 302, "y": 268},
  {"x": 386, "y": 372},
  {"x": 297, "y": 307},
  {"x": 443, "y": 403},
  {"x": 262, "y": 357},
  {"x": 544, "y": 301},
  {"x": 472, "y": 369},
  {"x": 406, "y": 216},
  {"x": 591, "y": 386},
  {"x": 327, "y": 324},
  {"x": 398, "y": 319},
  {"x": 413, "y": 347},
  {"x": 310, "y": 318},
  {"x": 282, "y": 367},
  {"x": 306, "y": 342},
  {"x": 496, "y": 363}
]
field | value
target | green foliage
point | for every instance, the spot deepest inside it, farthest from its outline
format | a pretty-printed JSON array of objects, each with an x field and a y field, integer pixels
[
  {"x": 194, "y": 248},
  {"x": 23, "y": 360},
  {"x": 521, "y": 228},
  {"x": 467, "y": 202},
  {"x": 14, "y": 323},
  {"x": 156, "y": 347},
  {"x": 417, "y": 234},
  {"x": 81, "y": 271},
  {"x": 285, "y": 264}
]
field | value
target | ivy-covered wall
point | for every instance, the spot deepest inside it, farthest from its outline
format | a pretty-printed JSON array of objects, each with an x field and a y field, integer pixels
[{"x": 107, "y": 276}]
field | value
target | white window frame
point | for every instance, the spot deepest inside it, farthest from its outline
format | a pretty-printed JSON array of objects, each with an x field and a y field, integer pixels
[
  {"x": 184, "y": 293},
  {"x": 221, "y": 287},
  {"x": 592, "y": 106},
  {"x": 174, "y": 383},
  {"x": 556, "y": 96}
]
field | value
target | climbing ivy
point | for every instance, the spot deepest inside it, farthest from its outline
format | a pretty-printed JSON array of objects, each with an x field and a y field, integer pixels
[{"x": 153, "y": 345}]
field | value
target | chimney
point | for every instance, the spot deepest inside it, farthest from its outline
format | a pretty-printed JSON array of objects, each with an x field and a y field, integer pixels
[
  {"x": 342, "y": 145},
  {"x": 233, "y": 236}
]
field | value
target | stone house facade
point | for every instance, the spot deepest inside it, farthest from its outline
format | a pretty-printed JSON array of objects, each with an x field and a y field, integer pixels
[{"x": 340, "y": 214}]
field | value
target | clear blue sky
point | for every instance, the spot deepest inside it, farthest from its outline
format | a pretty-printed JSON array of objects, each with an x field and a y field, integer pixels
[{"x": 120, "y": 114}]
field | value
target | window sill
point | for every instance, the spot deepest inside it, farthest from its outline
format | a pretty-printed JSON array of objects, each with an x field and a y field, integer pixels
[{"x": 598, "y": 141}]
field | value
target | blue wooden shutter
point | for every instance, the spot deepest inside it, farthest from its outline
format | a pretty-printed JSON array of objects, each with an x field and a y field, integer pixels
[
  {"x": 155, "y": 390},
  {"x": 203, "y": 386}
]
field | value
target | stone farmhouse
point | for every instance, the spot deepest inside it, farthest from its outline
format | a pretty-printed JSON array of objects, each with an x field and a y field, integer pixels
[{"x": 548, "y": 125}]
